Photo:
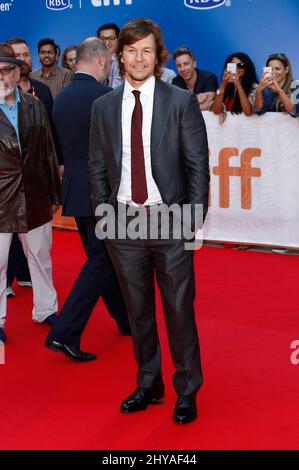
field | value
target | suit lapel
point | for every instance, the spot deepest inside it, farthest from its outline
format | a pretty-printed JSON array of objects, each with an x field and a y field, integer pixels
[{"x": 160, "y": 116}]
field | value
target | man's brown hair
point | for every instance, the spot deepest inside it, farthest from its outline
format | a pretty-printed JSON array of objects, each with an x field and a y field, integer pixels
[{"x": 138, "y": 29}]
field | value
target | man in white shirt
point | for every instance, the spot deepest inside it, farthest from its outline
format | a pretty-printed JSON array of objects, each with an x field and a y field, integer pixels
[{"x": 148, "y": 146}]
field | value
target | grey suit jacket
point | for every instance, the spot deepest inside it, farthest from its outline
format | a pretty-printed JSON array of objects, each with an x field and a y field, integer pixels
[{"x": 179, "y": 148}]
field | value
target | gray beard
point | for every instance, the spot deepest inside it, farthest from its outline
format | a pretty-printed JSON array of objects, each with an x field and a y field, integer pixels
[{"x": 5, "y": 91}]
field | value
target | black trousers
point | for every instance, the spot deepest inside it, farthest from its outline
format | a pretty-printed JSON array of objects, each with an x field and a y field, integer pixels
[
  {"x": 96, "y": 278},
  {"x": 136, "y": 263},
  {"x": 17, "y": 263}
]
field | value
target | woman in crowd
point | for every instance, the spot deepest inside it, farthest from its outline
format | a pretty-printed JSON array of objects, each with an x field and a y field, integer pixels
[
  {"x": 237, "y": 90},
  {"x": 274, "y": 90},
  {"x": 274, "y": 94},
  {"x": 68, "y": 59}
]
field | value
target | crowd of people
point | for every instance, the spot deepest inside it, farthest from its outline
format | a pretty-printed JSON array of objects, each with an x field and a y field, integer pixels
[
  {"x": 54, "y": 147},
  {"x": 240, "y": 91}
]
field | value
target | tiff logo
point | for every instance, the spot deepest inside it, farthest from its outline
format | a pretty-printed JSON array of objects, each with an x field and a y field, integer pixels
[
  {"x": 107, "y": 3},
  {"x": 245, "y": 171}
]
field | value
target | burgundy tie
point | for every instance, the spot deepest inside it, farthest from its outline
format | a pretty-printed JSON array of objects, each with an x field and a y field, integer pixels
[{"x": 138, "y": 177}]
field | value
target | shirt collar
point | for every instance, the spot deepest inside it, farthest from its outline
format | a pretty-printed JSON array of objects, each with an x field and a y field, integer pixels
[
  {"x": 53, "y": 73},
  {"x": 85, "y": 73},
  {"x": 146, "y": 89}
]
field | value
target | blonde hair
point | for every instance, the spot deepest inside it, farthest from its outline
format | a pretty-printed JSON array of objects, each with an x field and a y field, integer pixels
[{"x": 289, "y": 77}]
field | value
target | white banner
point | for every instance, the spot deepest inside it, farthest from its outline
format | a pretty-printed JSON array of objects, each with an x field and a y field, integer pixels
[{"x": 254, "y": 165}]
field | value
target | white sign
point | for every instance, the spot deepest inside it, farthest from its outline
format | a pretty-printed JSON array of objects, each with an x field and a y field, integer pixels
[{"x": 254, "y": 166}]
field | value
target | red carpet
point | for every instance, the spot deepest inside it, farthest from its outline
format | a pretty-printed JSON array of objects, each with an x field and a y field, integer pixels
[{"x": 247, "y": 308}]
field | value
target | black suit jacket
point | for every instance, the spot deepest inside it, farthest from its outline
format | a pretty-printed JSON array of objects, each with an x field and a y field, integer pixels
[
  {"x": 43, "y": 92},
  {"x": 179, "y": 148},
  {"x": 71, "y": 117}
]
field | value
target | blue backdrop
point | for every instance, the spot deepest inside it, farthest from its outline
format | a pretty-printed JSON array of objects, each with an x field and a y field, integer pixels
[{"x": 212, "y": 28}]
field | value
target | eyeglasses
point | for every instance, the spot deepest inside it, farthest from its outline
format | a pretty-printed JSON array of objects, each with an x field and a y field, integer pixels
[
  {"x": 7, "y": 70},
  {"x": 46, "y": 52},
  {"x": 108, "y": 39},
  {"x": 241, "y": 65}
]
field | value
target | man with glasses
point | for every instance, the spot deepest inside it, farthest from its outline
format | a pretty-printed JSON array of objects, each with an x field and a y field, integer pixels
[
  {"x": 17, "y": 264},
  {"x": 27, "y": 84},
  {"x": 50, "y": 73},
  {"x": 108, "y": 34},
  {"x": 204, "y": 84},
  {"x": 29, "y": 187}
]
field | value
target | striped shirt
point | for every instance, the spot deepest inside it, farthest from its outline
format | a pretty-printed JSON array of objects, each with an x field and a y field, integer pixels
[{"x": 58, "y": 78}]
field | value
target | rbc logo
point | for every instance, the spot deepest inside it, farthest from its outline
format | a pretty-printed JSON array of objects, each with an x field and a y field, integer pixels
[
  {"x": 57, "y": 4},
  {"x": 206, "y": 4}
]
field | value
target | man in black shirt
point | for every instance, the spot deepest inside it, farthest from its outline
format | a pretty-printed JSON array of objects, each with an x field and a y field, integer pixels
[{"x": 204, "y": 84}]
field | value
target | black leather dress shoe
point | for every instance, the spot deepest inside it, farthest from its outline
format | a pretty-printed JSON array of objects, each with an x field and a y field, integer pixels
[
  {"x": 142, "y": 397},
  {"x": 70, "y": 351},
  {"x": 185, "y": 409}
]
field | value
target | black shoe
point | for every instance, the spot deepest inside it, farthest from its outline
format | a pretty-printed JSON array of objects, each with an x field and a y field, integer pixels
[
  {"x": 185, "y": 409},
  {"x": 70, "y": 351},
  {"x": 142, "y": 397}
]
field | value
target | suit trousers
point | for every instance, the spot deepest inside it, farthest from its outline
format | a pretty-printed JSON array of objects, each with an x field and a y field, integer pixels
[
  {"x": 136, "y": 263},
  {"x": 36, "y": 245},
  {"x": 96, "y": 278}
]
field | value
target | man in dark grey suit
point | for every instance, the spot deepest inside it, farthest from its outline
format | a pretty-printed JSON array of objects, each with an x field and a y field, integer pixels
[
  {"x": 148, "y": 146},
  {"x": 71, "y": 117}
]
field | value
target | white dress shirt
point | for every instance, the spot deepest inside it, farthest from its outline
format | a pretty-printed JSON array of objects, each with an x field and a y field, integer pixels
[{"x": 147, "y": 101}]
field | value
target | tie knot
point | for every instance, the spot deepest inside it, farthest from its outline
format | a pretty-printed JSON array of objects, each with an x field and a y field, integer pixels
[{"x": 136, "y": 93}]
